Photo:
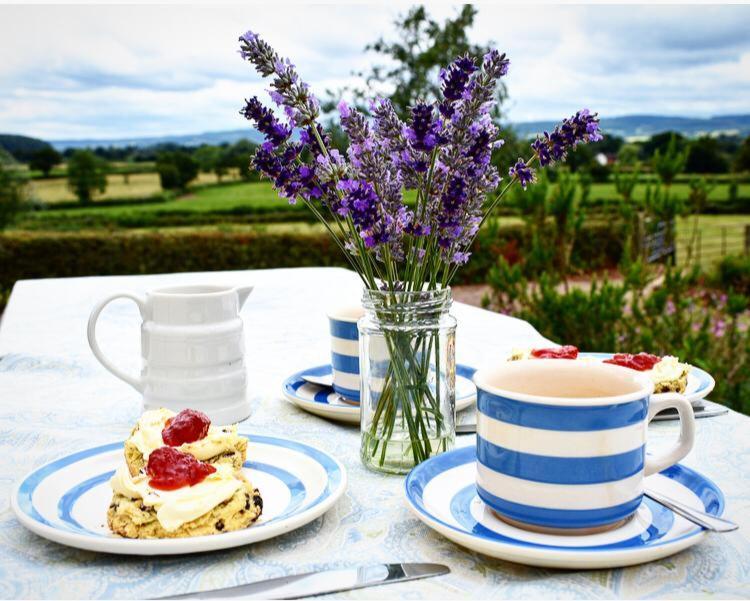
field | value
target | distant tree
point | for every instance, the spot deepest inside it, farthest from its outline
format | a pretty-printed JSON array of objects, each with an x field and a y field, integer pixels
[
  {"x": 413, "y": 60},
  {"x": 705, "y": 156},
  {"x": 45, "y": 159},
  {"x": 584, "y": 155},
  {"x": 211, "y": 160},
  {"x": 13, "y": 190},
  {"x": 670, "y": 162},
  {"x": 628, "y": 155},
  {"x": 660, "y": 142},
  {"x": 176, "y": 169},
  {"x": 742, "y": 162},
  {"x": 237, "y": 156},
  {"x": 87, "y": 175}
]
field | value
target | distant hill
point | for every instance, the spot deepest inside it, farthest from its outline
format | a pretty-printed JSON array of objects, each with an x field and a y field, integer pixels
[
  {"x": 644, "y": 126},
  {"x": 629, "y": 126},
  {"x": 215, "y": 137},
  {"x": 21, "y": 147}
]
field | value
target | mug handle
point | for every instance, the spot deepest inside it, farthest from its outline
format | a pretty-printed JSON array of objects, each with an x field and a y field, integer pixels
[
  {"x": 684, "y": 443},
  {"x": 136, "y": 383}
]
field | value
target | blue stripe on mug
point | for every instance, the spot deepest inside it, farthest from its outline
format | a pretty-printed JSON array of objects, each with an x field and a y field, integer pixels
[
  {"x": 559, "y": 470},
  {"x": 348, "y": 393},
  {"x": 559, "y": 518},
  {"x": 347, "y": 363},
  {"x": 344, "y": 329},
  {"x": 578, "y": 418}
]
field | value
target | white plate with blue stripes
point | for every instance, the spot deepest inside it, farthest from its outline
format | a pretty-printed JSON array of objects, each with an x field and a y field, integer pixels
[
  {"x": 66, "y": 501},
  {"x": 442, "y": 493},
  {"x": 323, "y": 401}
]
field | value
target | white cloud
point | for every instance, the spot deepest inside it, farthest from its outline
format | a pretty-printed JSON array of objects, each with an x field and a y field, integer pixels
[{"x": 109, "y": 71}]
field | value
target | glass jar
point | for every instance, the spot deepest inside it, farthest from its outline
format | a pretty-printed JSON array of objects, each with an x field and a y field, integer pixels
[{"x": 408, "y": 368}]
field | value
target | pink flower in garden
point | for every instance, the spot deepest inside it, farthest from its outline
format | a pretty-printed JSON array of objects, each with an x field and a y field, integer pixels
[
  {"x": 696, "y": 327},
  {"x": 719, "y": 328},
  {"x": 670, "y": 308}
]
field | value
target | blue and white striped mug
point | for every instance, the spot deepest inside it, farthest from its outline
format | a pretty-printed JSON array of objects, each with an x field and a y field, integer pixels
[
  {"x": 345, "y": 350},
  {"x": 561, "y": 444}
]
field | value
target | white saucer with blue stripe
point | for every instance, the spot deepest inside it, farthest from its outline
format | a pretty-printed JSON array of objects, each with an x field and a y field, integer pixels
[
  {"x": 699, "y": 383},
  {"x": 323, "y": 401},
  {"x": 442, "y": 493},
  {"x": 66, "y": 501}
]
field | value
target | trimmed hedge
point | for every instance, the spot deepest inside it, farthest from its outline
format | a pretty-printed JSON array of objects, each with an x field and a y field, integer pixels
[{"x": 27, "y": 255}]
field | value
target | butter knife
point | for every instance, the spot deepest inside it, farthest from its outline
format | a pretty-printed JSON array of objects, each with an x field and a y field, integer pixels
[{"x": 323, "y": 582}]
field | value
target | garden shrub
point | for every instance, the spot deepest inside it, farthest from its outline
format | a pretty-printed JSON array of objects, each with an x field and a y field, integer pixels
[
  {"x": 679, "y": 315},
  {"x": 734, "y": 274}
]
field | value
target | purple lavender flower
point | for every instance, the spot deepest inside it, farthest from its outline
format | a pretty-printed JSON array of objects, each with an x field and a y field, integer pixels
[
  {"x": 523, "y": 172},
  {"x": 444, "y": 151},
  {"x": 361, "y": 202},
  {"x": 454, "y": 80},
  {"x": 289, "y": 90},
  {"x": 581, "y": 127},
  {"x": 274, "y": 131},
  {"x": 424, "y": 131}
]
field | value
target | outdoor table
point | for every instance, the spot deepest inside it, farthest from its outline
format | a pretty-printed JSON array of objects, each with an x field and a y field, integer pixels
[{"x": 56, "y": 399}]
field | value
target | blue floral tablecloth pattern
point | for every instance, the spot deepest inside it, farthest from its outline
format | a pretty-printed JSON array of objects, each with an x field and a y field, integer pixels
[{"x": 55, "y": 398}]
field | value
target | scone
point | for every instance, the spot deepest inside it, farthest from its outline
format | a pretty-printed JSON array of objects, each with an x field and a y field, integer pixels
[
  {"x": 669, "y": 375},
  {"x": 223, "y": 501},
  {"x": 219, "y": 444}
]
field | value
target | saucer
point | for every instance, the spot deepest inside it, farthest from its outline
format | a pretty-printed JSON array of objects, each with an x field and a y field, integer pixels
[
  {"x": 699, "y": 382},
  {"x": 442, "y": 493},
  {"x": 323, "y": 401},
  {"x": 66, "y": 500}
]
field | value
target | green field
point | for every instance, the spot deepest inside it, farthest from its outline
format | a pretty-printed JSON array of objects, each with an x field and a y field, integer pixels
[
  {"x": 138, "y": 185},
  {"x": 719, "y": 235},
  {"x": 682, "y": 190}
]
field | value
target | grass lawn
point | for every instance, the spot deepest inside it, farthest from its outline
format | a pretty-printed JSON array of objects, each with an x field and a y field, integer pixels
[{"x": 720, "y": 191}]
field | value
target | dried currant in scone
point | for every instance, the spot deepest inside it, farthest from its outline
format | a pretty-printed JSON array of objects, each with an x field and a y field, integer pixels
[
  {"x": 188, "y": 425},
  {"x": 169, "y": 469}
]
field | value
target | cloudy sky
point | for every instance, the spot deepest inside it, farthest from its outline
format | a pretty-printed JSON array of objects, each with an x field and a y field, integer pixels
[{"x": 114, "y": 71}]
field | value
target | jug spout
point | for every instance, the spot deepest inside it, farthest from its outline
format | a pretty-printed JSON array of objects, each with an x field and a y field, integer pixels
[{"x": 243, "y": 293}]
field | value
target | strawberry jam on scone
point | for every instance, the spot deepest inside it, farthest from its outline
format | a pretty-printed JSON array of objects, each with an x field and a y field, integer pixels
[{"x": 188, "y": 431}]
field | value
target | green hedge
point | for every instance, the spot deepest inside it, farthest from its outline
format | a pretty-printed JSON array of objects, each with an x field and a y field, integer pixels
[
  {"x": 27, "y": 255},
  {"x": 734, "y": 274}
]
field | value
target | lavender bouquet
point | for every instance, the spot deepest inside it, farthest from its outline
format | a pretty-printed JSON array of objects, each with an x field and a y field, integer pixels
[{"x": 405, "y": 252}]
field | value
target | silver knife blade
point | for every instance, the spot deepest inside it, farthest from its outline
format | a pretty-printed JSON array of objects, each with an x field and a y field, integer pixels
[{"x": 323, "y": 582}]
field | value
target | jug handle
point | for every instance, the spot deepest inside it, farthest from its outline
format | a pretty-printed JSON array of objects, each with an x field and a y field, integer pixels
[{"x": 136, "y": 383}]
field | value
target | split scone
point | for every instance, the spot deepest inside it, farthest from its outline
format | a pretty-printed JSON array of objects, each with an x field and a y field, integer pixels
[
  {"x": 179, "y": 496},
  {"x": 669, "y": 375},
  {"x": 188, "y": 431}
]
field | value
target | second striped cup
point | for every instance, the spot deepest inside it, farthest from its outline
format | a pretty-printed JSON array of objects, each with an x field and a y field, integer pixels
[
  {"x": 345, "y": 350},
  {"x": 561, "y": 445}
]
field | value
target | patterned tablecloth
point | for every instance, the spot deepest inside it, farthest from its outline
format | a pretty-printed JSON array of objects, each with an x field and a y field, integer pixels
[{"x": 55, "y": 398}]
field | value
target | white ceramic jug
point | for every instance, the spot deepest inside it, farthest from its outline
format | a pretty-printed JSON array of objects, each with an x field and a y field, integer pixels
[{"x": 193, "y": 349}]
